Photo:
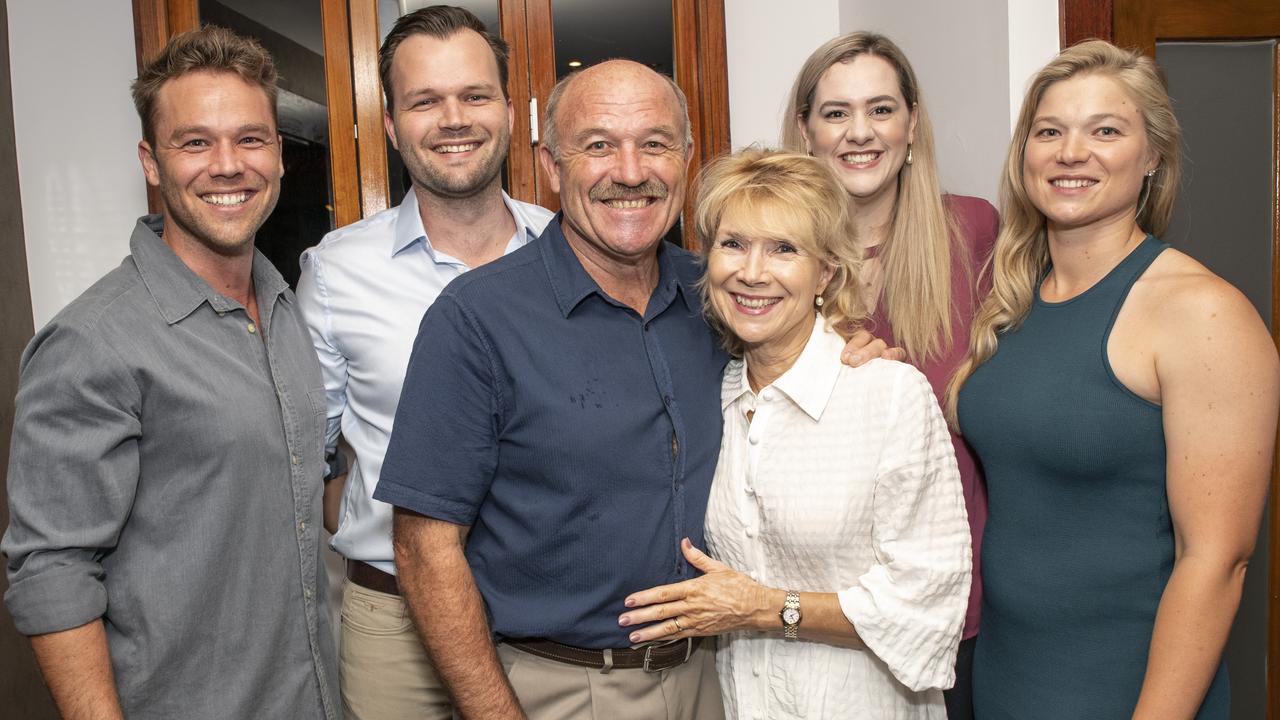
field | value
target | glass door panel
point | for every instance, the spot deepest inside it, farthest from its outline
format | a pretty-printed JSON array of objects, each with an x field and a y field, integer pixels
[{"x": 291, "y": 31}]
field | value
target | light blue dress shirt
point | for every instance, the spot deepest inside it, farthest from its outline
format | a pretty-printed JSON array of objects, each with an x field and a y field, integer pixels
[{"x": 363, "y": 292}]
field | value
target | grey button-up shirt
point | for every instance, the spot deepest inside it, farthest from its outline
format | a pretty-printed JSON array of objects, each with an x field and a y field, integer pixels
[{"x": 165, "y": 476}]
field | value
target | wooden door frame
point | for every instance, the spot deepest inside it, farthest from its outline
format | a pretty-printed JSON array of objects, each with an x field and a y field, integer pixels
[
  {"x": 1139, "y": 24},
  {"x": 155, "y": 21}
]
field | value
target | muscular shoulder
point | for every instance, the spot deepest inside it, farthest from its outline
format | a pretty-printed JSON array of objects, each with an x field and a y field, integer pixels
[{"x": 1191, "y": 310}]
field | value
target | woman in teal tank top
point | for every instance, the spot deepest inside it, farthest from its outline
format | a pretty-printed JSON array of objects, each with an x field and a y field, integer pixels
[{"x": 1123, "y": 402}]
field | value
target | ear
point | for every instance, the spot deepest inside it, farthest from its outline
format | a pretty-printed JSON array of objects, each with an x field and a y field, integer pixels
[
  {"x": 550, "y": 166},
  {"x": 915, "y": 117},
  {"x": 150, "y": 169},
  {"x": 280, "y": 146},
  {"x": 824, "y": 278},
  {"x": 804, "y": 134},
  {"x": 511, "y": 116},
  {"x": 390, "y": 127}
]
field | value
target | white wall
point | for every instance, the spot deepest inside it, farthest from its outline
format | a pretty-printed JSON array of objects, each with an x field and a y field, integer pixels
[
  {"x": 82, "y": 187},
  {"x": 766, "y": 43},
  {"x": 973, "y": 59}
]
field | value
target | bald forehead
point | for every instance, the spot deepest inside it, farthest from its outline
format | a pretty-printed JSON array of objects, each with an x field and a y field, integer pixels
[{"x": 619, "y": 84}]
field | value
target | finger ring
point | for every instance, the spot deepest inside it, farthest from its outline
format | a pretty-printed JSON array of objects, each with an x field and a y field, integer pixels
[{"x": 679, "y": 627}]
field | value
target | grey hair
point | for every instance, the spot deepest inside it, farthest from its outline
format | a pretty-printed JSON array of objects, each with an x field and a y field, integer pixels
[{"x": 551, "y": 135}]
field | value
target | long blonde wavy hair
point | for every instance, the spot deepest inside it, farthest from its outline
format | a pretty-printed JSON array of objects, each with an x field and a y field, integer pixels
[
  {"x": 763, "y": 189},
  {"x": 1022, "y": 247},
  {"x": 917, "y": 252}
]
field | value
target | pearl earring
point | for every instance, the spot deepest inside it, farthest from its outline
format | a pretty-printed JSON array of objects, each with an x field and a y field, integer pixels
[{"x": 817, "y": 301}]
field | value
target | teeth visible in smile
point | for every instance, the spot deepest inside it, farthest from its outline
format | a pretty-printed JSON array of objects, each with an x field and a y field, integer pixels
[
  {"x": 226, "y": 198},
  {"x": 1072, "y": 183},
  {"x": 859, "y": 158},
  {"x": 457, "y": 148},
  {"x": 627, "y": 204},
  {"x": 754, "y": 303}
]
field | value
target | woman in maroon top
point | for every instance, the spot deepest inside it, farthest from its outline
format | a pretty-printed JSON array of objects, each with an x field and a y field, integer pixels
[{"x": 856, "y": 105}]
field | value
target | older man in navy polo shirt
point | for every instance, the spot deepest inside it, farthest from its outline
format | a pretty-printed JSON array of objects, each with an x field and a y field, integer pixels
[{"x": 559, "y": 428}]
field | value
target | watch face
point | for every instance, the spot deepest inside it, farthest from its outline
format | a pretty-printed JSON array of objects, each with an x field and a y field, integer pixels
[{"x": 791, "y": 616}]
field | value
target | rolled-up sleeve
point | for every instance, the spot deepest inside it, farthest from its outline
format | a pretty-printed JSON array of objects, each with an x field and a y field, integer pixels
[
  {"x": 313, "y": 295},
  {"x": 73, "y": 473},
  {"x": 909, "y": 607},
  {"x": 444, "y": 447}
]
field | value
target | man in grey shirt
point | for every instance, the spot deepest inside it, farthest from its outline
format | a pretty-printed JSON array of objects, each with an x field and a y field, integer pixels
[{"x": 164, "y": 543}]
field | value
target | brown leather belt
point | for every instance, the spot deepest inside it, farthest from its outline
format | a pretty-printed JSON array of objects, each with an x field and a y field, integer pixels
[
  {"x": 650, "y": 658},
  {"x": 371, "y": 578}
]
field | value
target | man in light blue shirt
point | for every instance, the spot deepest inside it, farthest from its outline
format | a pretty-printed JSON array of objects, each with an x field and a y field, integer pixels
[{"x": 363, "y": 291}]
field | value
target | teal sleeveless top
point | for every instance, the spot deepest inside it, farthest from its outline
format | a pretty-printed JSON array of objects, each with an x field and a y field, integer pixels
[{"x": 1079, "y": 543}]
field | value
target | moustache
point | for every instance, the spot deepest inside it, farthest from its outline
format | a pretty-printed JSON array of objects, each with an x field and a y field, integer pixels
[{"x": 617, "y": 191}]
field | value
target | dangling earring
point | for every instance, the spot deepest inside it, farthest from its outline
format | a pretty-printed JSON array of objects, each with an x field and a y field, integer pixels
[
  {"x": 910, "y": 159},
  {"x": 817, "y": 301},
  {"x": 1147, "y": 180}
]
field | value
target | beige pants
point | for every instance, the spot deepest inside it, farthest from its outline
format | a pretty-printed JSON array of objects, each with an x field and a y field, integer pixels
[
  {"x": 550, "y": 690},
  {"x": 384, "y": 670}
]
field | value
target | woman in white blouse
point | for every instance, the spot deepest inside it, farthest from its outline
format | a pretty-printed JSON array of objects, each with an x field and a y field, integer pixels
[{"x": 836, "y": 516}]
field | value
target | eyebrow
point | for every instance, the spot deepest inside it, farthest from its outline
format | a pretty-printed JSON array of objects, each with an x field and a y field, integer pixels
[
  {"x": 868, "y": 101},
  {"x": 1097, "y": 117},
  {"x": 660, "y": 130},
  {"x": 204, "y": 129}
]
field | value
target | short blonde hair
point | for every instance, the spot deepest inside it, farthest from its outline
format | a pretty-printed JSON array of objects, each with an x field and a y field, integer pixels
[{"x": 806, "y": 195}]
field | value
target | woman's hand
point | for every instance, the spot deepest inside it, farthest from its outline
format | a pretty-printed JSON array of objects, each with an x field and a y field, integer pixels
[{"x": 722, "y": 600}]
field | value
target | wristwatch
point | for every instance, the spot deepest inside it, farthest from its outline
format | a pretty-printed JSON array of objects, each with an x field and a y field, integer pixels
[{"x": 791, "y": 615}]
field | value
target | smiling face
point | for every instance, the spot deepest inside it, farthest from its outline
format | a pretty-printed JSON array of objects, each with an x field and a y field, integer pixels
[
  {"x": 216, "y": 160},
  {"x": 861, "y": 126},
  {"x": 1087, "y": 153},
  {"x": 761, "y": 280},
  {"x": 449, "y": 117},
  {"x": 622, "y": 161}
]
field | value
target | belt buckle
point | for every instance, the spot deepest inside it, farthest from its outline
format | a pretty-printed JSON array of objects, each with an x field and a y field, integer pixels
[{"x": 688, "y": 652}]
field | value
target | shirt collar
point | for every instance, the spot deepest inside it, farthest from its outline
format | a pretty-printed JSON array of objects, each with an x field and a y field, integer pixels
[
  {"x": 409, "y": 229},
  {"x": 571, "y": 283},
  {"x": 809, "y": 382},
  {"x": 177, "y": 290}
]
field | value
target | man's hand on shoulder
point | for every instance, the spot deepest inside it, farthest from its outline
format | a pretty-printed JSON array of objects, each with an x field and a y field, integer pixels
[{"x": 863, "y": 347}]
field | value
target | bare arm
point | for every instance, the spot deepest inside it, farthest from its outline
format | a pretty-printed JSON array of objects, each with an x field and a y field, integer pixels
[
  {"x": 1219, "y": 388},
  {"x": 77, "y": 668},
  {"x": 448, "y": 611}
]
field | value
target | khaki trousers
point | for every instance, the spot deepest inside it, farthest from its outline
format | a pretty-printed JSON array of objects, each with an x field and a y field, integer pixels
[
  {"x": 382, "y": 666},
  {"x": 550, "y": 690}
]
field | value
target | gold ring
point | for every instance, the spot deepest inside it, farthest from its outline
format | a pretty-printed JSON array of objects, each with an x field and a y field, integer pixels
[{"x": 676, "y": 620}]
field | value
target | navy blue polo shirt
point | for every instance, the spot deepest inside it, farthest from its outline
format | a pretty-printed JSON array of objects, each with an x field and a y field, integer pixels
[{"x": 576, "y": 438}]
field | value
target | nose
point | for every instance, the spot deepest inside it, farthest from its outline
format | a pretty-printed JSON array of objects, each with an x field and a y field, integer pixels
[
  {"x": 1073, "y": 149},
  {"x": 226, "y": 160},
  {"x": 453, "y": 115},
  {"x": 754, "y": 268},
  {"x": 629, "y": 167},
  {"x": 858, "y": 129}
]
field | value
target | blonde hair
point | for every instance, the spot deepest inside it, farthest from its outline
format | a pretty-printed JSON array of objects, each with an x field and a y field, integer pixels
[
  {"x": 1022, "y": 247},
  {"x": 806, "y": 196},
  {"x": 918, "y": 250}
]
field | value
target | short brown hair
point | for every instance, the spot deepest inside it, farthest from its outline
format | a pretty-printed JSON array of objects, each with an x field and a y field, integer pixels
[
  {"x": 212, "y": 49},
  {"x": 440, "y": 22}
]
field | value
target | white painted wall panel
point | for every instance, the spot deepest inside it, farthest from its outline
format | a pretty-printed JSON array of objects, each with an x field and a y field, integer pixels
[{"x": 82, "y": 187}]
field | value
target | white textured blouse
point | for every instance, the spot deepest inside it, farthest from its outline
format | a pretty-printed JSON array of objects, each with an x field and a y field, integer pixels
[{"x": 843, "y": 481}]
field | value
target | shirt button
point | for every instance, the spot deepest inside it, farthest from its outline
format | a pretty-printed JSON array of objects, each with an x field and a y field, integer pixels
[
  {"x": 302, "y": 526},
  {"x": 306, "y": 593},
  {"x": 753, "y": 439},
  {"x": 766, "y": 396},
  {"x": 293, "y": 458},
  {"x": 751, "y": 533},
  {"x": 252, "y": 328},
  {"x": 750, "y": 490},
  {"x": 666, "y": 400},
  {"x": 755, "y": 670}
]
